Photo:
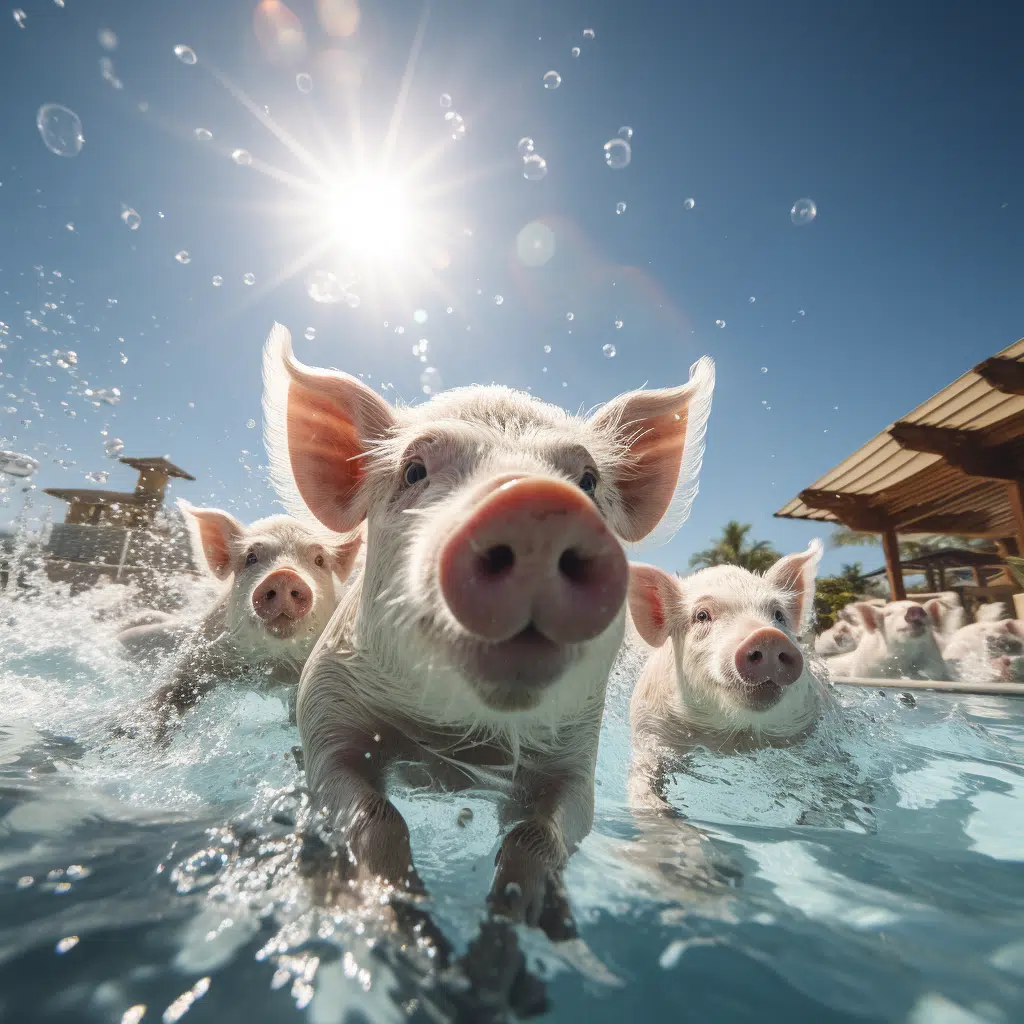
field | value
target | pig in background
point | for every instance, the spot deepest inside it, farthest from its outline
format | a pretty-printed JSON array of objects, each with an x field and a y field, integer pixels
[
  {"x": 989, "y": 649},
  {"x": 476, "y": 646},
  {"x": 280, "y": 582},
  {"x": 731, "y": 675},
  {"x": 899, "y": 641}
]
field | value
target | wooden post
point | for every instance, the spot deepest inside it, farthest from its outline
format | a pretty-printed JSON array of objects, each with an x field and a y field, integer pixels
[
  {"x": 891, "y": 545},
  {"x": 1015, "y": 492}
]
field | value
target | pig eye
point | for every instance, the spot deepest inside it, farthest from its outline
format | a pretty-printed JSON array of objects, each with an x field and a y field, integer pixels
[
  {"x": 702, "y": 615},
  {"x": 251, "y": 558},
  {"x": 414, "y": 472},
  {"x": 319, "y": 561},
  {"x": 779, "y": 616},
  {"x": 588, "y": 482}
]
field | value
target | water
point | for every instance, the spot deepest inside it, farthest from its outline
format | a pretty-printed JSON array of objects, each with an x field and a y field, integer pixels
[{"x": 871, "y": 873}]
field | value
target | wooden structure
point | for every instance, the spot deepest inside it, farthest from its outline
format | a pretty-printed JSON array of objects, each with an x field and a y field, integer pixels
[
  {"x": 935, "y": 565},
  {"x": 131, "y": 509},
  {"x": 955, "y": 465}
]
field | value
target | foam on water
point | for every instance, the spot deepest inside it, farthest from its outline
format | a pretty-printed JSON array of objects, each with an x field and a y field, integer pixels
[{"x": 886, "y": 847}]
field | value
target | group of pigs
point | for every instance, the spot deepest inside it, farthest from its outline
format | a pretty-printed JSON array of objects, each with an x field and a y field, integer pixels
[
  {"x": 906, "y": 640},
  {"x": 451, "y": 591}
]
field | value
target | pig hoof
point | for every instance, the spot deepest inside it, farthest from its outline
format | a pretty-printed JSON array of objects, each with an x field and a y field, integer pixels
[
  {"x": 556, "y": 920},
  {"x": 496, "y": 971}
]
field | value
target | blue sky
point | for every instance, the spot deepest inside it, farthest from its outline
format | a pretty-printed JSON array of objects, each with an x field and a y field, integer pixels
[{"x": 902, "y": 123}]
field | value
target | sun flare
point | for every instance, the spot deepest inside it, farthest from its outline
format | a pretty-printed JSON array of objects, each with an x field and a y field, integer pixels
[{"x": 371, "y": 217}]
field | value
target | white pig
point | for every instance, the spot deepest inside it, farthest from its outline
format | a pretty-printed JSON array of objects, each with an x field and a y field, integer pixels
[
  {"x": 986, "y": 650},
  {"x": 899, "y": 642},
  {"x": 477, "y": 644},
  {"x": 732, "y": 676},
  {"x": 280, "y": 585},
  {"x": 841, "y": 638}
]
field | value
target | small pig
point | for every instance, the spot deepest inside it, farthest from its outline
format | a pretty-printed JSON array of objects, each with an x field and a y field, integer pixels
[
  {"x": 476, "y": 646},
  {"x": 841, "y": 638},
  {"x": 732, "y": 676},
  {"x": 986, "y": 650},
  {"x": 280, "y": 587},
  {"x": 899, "y": 642}
]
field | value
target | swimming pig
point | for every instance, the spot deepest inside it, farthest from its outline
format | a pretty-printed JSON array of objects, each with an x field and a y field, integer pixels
[{"x": 476, "y": 646}]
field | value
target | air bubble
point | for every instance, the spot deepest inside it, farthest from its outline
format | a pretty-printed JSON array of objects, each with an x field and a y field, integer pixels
[
  {"x": 570, "y": 316},
  {"x": 499, "y": 299},
  {"x": 719, "y": 323},
  {"x": 323, "y": 286},
  {"x": 688, "y": 204},
  {"x": 60, "y": 129},
  {"x": 430, "y": 381},
  {"x": 242, "y": 157},
  {"x": 609, "y": 351},
  {"x": 456, "y": 125},
  {"x": 183, "y": 256},
  {"x": 109, "y": 74},
  {"x": 575, "y": 51},
  {"x": 588, "y": 33},
  {"x": 446, "y": 100},
  {"x": 420, "y": 316},
  {"x": 19, "y": 17},
  {"x": 617, "y": 154},
  {"x": 131, "y": 218},
  {"x": 803, "y": 212},
  {"x": 185, "y": 54},
  {"x": 525, "y": 146},
  {"x": 99, "y": 477},
  {"x": 107, "y": 38},
  {"x": 251, "y": 424},
  {"x": 217, "y": 281},
  {"x": 535, "y": 167},
  {"x": 764, "y": 369},
  {"x": 304, "y": 82},
  {"x": 625, "y": 132},
  {"x": 310, "y": 333},
  {"x": 752, "y": 300},
  {"x": 800, "y": 312},
  {"x": 552, "y": 79},
  {"x": 204, "y": 134},
  {"x": 249, "y": 279},
  {"x": 620, "y": 208},
  {"x": 113, "y": 448}
]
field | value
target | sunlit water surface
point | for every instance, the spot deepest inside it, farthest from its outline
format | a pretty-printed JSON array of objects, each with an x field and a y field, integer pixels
[{"x": 872, "y": 873}]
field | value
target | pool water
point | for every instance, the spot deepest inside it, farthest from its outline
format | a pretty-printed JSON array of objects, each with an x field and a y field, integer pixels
[{"x": 872, "y": 873}]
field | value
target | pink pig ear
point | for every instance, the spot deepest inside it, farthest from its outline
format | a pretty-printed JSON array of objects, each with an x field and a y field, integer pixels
[
  {"x": 343, "y": 556},
  {"x": 870, "y": 616},
  {"x": 935, "y": 611},
  {"x": 660, "y": 436},
  {"x": 654, "y": 603},
  {"x": 320, "y": 426},
  {"x": 213, "y": 534},
  {"x": 794, "y": 575}
]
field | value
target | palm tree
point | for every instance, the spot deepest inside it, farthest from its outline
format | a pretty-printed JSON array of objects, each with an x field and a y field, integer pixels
[
  {"x": 844, "y": 537},
  {"x": 732, "y": 549}
]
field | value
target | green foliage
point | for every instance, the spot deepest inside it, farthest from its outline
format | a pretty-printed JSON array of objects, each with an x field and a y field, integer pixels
[
  {"x": 833, "y": 593},
  {"x": 732, "y": 549}
]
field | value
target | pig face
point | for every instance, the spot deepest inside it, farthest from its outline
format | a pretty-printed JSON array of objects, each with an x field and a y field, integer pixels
[
  {"x": 1005, "y": 637},
  {"x": 282, "y": 591},
  {"x": 495, "y": 580},
  {"x": 734, "y": 635},
  {"x": 839, "y": 639},
  {"x": 903, "y": 623}
]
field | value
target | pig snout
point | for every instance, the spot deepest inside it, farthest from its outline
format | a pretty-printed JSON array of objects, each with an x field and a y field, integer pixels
[
  {"x": 534, "y": 553},
  {"x": 916, "y": 617},
  {"x": 283, "y": 592},
  {"x": 769, "y": 656}
]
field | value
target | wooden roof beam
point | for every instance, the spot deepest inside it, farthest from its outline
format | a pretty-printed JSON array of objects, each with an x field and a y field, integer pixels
[
  {"x": 852, "y": 510},
  {"x": 1005, "y": 375},
  {"x": 962, "y": 449}
]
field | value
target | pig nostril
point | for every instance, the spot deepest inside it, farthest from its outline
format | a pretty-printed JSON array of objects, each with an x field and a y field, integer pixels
[
  {"x": 497, "y": 561},
  {"x": 573, "y": 566},
  {"x": 785, "y": 658},
  {"x": 755, "y": 657},
  {"x": 296, "y": 594},
  {"x": 270, "y": 595}
]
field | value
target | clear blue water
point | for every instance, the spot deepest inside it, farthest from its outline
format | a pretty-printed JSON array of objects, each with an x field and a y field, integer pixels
[{"x": 872, "y": 873}]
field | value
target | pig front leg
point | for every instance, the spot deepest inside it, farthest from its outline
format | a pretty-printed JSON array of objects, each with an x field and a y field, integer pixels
[
  {"x": 647, "y": 783},
  {"x": 527, "y": 885}
]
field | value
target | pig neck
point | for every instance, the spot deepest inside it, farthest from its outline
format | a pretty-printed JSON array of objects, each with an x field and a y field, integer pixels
[{"x": 913, "y": 658}]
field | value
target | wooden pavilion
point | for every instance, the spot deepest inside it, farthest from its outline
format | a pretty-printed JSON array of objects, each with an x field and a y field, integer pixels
[{"x": 955, "y": 465}]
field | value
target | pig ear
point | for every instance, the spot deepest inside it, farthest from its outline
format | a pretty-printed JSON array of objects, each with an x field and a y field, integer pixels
[
  {"x": 870, "y": 616},
  {"x": 1015, "y": 626},
  {"x": 654, "y": 603},
  {"x": 794, "y": 575},
  {"x": 935, "y": 611},
  {"x": 212, "y": 533},
  {"x": 320, "y": 425},
  {"x": 343, "y": 556},
  {"x": 660, "y": 437}
]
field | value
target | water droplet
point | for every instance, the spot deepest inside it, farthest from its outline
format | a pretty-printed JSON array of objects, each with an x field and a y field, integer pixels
[
  {"x": 70, "y": 225},
  {"x": 499, "y": 299},
  {"x": 251, "y": 424},
  {"x": 625, "y": 132},
  {"x": 113, "y": 448},
  {"x": 185, "y": 54},
  {"x": 135, "y": 1013},
  {"x": 617, "y": 154},
  {"x": 304, "y": 82},
  {"x": 803, "y": 212},
  {"x": 570, "y": 316},
  {"x": 19, "y": 17},
  {"x": 688, "y": 204},
  {"x": 620, "y": 207},
  {"x": 61, "y": 130},
  {"x": 430, "y": 381},
  {"x": 242, "y": 157},
  {"x": 535, "y": 167},
  {"x": 575, "y": 51},
  {"x": 204, "y": 134},
  {"x": 719, "y": 323},
  {"x": 420, "y": 316},
  {"x": 131, "y": 218},
  {"x": 752, "y": 300},
  {"x": 99, "y": 477},
  {"x": 552, "y": 79},
  {"x": 66, "y": 944},
  {"x": 183, "y": 256},
  {"x": 764, "y": 369},
  {"x": 107, "y": 38},
  {"x": 525, "y": 146},
  {"x": 217, "y": 281},
  {"x": 109, "y": 74},
  {"x": 547, "y": 349},
  {"x": 202, "y": 868},
  {"x": 323, "y": 286},
  {"x": 310, "y": 333},
  {"x": 446, "y": 100},
  {"x": 588, "y": 33},
  {"x": 456, "y": 125},
  {"x": 249, "y": 279},
  {"x": 609, "y": 351}
]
